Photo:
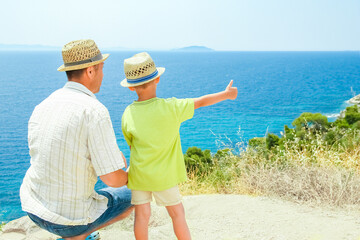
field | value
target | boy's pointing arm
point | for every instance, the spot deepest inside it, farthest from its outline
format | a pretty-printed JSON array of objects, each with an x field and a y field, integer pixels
[{"x": 211, "y": 99}]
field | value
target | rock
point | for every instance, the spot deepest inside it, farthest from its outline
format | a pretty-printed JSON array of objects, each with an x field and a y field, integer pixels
[
  {"x": 24, "y": 228},
  {"x": 355, "y": 100},
  {"x": 342, "y": 114}
]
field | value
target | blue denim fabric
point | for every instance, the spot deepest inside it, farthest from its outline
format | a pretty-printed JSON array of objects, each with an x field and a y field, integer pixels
[{"x": 119, "y": 202}]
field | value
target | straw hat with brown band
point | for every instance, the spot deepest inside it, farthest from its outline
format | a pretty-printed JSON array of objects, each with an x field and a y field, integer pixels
[{"x": 81, "y": 54}]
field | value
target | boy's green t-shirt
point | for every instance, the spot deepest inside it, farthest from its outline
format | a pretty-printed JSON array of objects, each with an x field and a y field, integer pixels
[{"x": 151, "y": 128}]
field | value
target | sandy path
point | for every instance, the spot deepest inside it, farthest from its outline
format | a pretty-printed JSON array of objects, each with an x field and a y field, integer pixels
[{"x": 238, "y": 217}]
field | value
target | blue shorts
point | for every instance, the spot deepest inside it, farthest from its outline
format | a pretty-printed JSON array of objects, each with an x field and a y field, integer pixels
[{"x": 119, "y": 202}]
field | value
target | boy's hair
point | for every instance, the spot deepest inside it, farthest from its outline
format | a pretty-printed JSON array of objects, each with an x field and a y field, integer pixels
[{"x": 145, "y": 85}]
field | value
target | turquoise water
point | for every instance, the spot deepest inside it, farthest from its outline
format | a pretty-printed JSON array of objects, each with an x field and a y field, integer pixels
[{"x": 274, "y": 89}]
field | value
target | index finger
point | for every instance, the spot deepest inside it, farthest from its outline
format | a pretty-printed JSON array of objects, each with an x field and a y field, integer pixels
[{"x": 230, "y": 83}]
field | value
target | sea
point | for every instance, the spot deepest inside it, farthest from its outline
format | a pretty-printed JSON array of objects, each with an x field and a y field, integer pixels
[{"x": 274, "y": 88}]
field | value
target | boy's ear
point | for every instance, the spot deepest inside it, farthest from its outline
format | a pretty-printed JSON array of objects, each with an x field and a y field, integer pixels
[
  {"x": 157, "y": 80},
  {"x": 132, "y": 88}
]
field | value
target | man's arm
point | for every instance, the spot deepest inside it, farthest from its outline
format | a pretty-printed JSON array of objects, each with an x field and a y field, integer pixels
[
  {"x": 211, "y": 99},
  {"x": 115, "y": 179},
  {"x": 118, "y": 178}
]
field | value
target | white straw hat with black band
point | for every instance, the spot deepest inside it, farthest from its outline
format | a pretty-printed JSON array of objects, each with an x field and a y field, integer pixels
[
  {"x": 81, "y": 54},
  {"x": 140, "y": 69}
]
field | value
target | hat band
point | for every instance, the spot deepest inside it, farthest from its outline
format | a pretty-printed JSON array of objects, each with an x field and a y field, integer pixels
[
  {"x": 142, "y": 79},
  {"x": 93, "y": 59}
]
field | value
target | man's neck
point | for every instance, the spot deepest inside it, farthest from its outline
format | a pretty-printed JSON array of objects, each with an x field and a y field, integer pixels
[{"x": 83, "y": 82}]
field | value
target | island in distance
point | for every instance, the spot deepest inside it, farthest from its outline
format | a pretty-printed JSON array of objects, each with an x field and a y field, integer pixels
[{"x": 193, "y": 49}]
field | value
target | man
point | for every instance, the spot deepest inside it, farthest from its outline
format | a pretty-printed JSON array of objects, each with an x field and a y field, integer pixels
[{"x": 71, "y": 142}]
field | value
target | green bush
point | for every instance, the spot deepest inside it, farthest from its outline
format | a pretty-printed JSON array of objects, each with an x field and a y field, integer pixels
[
  {"x": 356, "y": 125},
  {"x": 352, "y": 114},
  {"x": 272, "y": 140},
  {"x": 314, "y": 121},
  {"x": 330, "y": 137},
  {"x": 222, "y": 158},
  {"x": 198, "y": 161},
  {"x": 311, "y": 130},
  {"x": 289, "y": 133},
  {"x": 222, "y": 164},
  {"x": 257, "y": 142},
  {"x": 341, "y": 123},
  {"x": 221, "y": 154}
]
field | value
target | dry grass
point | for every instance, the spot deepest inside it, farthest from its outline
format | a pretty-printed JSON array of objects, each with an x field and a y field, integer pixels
[
  {"x": 197, "y": 185},
  {"x": 1, "y": 226},
  {"x": 331, "y": 186},
  {"x": 316, "y": 174}
]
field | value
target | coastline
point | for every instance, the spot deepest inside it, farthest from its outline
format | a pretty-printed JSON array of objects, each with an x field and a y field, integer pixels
[{"x": 354, "y": 100}]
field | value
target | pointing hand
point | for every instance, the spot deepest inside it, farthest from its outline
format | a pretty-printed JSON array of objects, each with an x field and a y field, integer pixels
[{"x": 231, "y": 92}]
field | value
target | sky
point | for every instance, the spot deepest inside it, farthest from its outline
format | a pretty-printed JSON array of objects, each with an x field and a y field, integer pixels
[{"x": 225, "y": 25}]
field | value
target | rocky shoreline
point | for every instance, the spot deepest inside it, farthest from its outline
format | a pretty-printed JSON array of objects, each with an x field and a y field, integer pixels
[
  {"x": 222, "y": 216},
  {"x": 355, "y": 100}
]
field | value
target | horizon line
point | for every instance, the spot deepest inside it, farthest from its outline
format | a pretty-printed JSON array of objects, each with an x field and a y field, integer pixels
[
  {"x": 39, "y": 47},
  {"x": 170, "y": 50}
]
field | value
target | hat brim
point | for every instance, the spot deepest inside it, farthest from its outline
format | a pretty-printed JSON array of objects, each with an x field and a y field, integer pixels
[
  {"x": 62, "y": 68},
  {"x": 125, "y": 83}
]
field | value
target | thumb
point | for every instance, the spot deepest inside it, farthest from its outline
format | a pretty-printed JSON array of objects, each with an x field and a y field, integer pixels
[{"x": 230, "y": 84}]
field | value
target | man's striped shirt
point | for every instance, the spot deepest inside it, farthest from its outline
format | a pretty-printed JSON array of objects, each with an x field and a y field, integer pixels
[{"x": 71, "y": 142}]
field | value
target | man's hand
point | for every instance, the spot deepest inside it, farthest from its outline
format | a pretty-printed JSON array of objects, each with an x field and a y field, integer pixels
[
  {"x": 231, "y": 92},
  {"x": 118, "y": 178},
  {"x": 124, "y": 159}
]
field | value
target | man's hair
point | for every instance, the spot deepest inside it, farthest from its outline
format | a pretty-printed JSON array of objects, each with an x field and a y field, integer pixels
[{"x": 77, "y": 73}]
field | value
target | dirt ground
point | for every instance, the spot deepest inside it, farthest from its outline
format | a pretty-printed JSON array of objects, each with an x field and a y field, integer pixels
[{"x": 228, "y": 217}]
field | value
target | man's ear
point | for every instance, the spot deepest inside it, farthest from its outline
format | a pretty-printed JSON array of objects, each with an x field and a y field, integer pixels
[
  {"x": 157, "y": 80},
  {"x": 90, "y": 72},
  {"x": 132, "y": 88}
]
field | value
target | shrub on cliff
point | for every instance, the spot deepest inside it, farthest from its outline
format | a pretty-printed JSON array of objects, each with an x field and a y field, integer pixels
[
  {"x": 202, "y": 163},
  {"x": 272, "y": 140},
  {"x": 316, "y": 161},
  {"x": 341, "y": 123},
  {"x": 289, "y": 133},
  {"x": 312, "y": 129},
  {"x": 352, "y": 114},
  {"x": 197, "y": 160},
  {"x": 314, "y": 121},
  {"x": 257, "y": 142}
]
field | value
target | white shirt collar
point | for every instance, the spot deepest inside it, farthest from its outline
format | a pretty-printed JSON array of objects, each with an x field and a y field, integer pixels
[{"x": 79, "y": 87}]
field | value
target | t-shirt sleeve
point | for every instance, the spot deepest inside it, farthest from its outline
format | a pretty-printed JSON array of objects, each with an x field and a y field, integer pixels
[
  {"x": 126, "y": 133},
  {"x": 105, "y": 154},
  {"x": 184, "y": 108}
]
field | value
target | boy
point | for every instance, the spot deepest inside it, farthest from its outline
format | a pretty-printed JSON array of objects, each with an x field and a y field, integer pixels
[{"x": 151, "y": 128}]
